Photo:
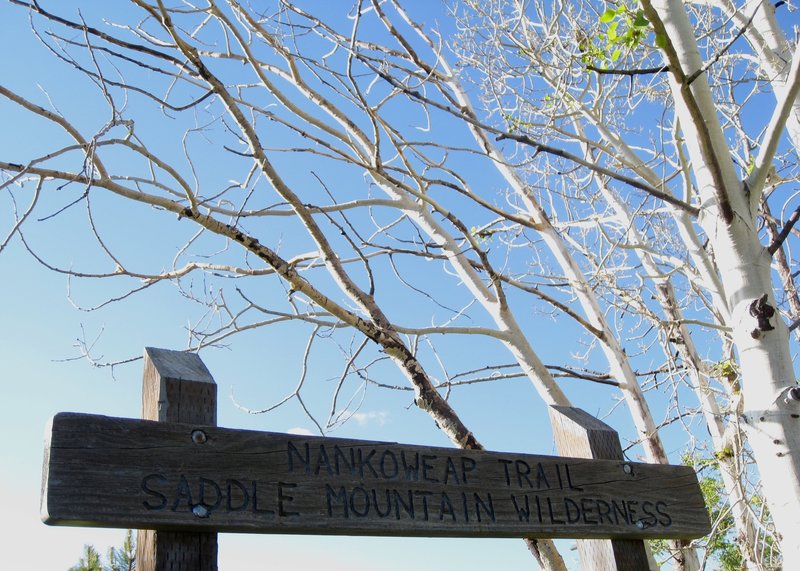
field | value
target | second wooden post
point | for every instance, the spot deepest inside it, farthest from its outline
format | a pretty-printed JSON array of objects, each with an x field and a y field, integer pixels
[{"x": 580, "y": 435}]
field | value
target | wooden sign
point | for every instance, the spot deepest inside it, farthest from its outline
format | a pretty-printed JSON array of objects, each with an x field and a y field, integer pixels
[{"x": 114, "y": 472}]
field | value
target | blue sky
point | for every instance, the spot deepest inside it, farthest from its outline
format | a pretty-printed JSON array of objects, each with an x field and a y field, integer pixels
[
  {"x": 42, "y": 377},
  {"x": 39, "y": 329}
]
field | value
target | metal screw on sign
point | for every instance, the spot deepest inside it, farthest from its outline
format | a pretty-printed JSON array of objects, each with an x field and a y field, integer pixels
[{"x": 199, "y": 437}]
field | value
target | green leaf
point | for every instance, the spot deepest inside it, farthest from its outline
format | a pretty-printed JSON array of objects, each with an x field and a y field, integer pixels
[
  {"x": 641, "y": 20},
  {"x": 661, "y": 41},
  {"x": 612, "y": 31},
  {"x": 608, "y": 16},
  {"x": 615, "y": 55}
]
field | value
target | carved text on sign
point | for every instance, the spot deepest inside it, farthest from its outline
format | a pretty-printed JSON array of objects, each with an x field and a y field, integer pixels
[{"x": 130, "y": 473}]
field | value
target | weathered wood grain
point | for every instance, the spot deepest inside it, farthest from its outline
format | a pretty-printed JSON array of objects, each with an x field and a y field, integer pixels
[
  {"x": 114, "y": 472},
  {"x": 177, "y": 387},
  {"x": 577, "y": 433}
]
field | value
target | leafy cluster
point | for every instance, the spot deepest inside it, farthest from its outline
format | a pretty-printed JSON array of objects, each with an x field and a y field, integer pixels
[
  {"x": 620, "y": 28},
  {"x": 728, "y": 370},
  {"x": 721, "y": 546}
]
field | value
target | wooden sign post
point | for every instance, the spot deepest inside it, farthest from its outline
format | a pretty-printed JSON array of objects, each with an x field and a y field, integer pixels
[
  {"x": 177, "y": 387},
  {"x": 189, "y": 480},
  {"x": 577, "y": 433}
]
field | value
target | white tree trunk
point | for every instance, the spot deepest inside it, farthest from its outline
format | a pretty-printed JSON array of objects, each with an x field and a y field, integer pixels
[
  {"x": 771, "y": 420},
  {"x": 697, "y": 371}
]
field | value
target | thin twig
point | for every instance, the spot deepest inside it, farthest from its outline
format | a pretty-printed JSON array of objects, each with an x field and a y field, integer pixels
[{"x": 785, "y": 231}]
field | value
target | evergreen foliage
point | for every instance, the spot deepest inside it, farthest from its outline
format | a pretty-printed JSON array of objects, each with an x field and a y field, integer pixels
[{"x": 122, "y": 558}]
